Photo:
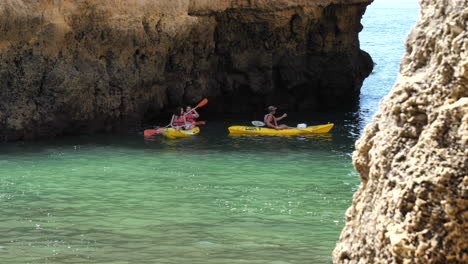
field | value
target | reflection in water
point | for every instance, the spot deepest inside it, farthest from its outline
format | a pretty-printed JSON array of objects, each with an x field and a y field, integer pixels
[
  {"x": 195, "y": 142},
  {"x": 152, "y": 138},
  {"x": 271, "y": 139},
  {"x": 321, "y": 138}
]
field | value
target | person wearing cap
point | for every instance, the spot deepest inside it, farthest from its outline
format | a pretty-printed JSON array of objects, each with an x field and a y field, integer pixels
[{"x": 272, "y": 121}]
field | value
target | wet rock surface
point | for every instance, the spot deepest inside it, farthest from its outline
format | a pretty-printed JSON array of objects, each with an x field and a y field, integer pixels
[
  {"x": 87, "y": 65},
  {"x": 412, "y": 204}
]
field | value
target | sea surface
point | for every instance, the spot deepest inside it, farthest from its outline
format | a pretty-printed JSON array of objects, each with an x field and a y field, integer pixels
[{"x": 212, "y": 198}]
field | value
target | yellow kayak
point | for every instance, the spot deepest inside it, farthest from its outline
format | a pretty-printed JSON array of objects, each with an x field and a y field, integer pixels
[
  {"x": 270, "y": 131},
  {"x": 173, "y": 133}
]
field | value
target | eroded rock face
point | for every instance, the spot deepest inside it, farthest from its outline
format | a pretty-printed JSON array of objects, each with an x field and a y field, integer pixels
[
  {"x": 412, "y": 205},
  {"x": 69, "y": 66}
]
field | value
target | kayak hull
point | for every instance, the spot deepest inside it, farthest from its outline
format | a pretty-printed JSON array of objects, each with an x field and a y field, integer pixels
[
  {"x": 270, "y": 131},
  {"x": 173, "y": 133}
]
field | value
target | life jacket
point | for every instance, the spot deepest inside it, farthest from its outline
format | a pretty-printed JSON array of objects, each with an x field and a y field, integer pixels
[
  {"x": 273, "y": 117},
  {"x": 190, "y": 117},
  {"x": 178, "y": 121}
]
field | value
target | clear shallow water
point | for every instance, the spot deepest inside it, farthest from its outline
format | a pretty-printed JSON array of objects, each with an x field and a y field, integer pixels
[
  {"x": 386, "y": 25},
  {"x": 174, "y": 202},
  {"x": 208, "y": 199}
]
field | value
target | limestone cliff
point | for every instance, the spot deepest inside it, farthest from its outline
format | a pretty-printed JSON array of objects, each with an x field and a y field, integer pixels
[
  {"x": 412, "y": 205},
  {"x": 68, "y": 66}
]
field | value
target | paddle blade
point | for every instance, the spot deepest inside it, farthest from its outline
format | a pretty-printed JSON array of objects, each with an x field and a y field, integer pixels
[
  {"x": 258, "y": 123},
  {"x": 150, "y": 132},
  {"x": 199, "y": 123},
  {"x": 202, "y": 103}
]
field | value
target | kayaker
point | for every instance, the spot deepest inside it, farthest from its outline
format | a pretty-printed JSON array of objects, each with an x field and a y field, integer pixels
[
  {"x": 272, "y": 121},
  {"x": 178, "y": 119},
  {"x": 190, "y": 116}
]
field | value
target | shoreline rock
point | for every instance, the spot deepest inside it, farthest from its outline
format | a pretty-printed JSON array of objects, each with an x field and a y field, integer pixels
[{"x": 412, "y": 204}]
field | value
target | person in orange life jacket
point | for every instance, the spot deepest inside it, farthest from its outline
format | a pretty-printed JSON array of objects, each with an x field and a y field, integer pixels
[
  {"x": 272, "y": 121},
  {"x": 178, "y": 119},
  {"x": 190, "y": 116}
]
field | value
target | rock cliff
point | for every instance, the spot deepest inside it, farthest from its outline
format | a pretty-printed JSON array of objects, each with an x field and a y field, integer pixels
[
  {"x": 70, "y": 66},
  {"x": 412, "y": 205}
]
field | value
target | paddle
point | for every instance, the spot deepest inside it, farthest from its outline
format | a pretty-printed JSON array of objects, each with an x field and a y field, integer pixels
[
  {"x": 202, "y": 103},
  {"x": 258, "y": 123},
  {"x": 150, "y": 132}
]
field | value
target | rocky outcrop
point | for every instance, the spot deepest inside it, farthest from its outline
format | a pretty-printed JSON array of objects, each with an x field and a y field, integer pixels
[
  {"x": 412, "y": 205},
  {"x": 69, "y": 66}
]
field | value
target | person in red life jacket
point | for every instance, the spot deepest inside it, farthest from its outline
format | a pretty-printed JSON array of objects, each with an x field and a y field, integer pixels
[
  {"x": 272, "y": 121},
  {"x": 190, "y": 116},
  {"x": 178, "y": 119}
]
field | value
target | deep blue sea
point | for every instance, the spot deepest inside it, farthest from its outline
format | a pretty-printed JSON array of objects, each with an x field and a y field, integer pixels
[{"x": 212, "y": 198}]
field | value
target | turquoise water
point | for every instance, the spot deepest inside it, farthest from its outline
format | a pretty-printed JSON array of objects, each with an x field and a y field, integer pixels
[
  {"x": 213, "y": 198},
  {"x": 174, "y": 202}
]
